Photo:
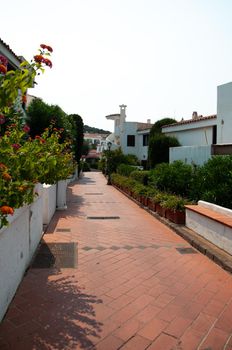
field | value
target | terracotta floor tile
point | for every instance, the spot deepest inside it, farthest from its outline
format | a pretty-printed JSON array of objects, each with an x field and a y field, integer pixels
[
  {"x": 136, "y": 343},
  {"x": 153, "y": 329},
  {"x": 215, "y": 340},
  {"x": 164, "y": 341},
  {"x": 178, "y": 326}
]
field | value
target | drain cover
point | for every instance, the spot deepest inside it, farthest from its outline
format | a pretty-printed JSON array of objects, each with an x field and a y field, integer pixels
[
  {"x": 186, "y": 250},
  {"x": 92, "y": 193},
  {"x": 102, "y": 217},
  {"x": 63, "y": 230},
  {"x": 60, "y": 255}
]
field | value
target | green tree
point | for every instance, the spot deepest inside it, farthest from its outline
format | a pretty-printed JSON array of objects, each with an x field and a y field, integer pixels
[
  {"x": 157, "y": 127},
  {"x": 158, "y": 151},
  {"x": 159, "y": 144},
  {"x": 38, "y": 116},
  {"x": 78, "y": 134}
]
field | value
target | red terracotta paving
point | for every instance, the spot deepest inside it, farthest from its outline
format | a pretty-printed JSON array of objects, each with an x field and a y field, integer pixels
[{"x": 131, "y": 289}]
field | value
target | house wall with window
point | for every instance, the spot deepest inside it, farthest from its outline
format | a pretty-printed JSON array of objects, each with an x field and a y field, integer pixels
[{"x": 200, "y": 133}]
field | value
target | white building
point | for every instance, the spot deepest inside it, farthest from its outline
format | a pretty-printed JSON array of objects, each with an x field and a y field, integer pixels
[
  {"x": 201, "y": 137},
  {"x": 131, "y": 137}
]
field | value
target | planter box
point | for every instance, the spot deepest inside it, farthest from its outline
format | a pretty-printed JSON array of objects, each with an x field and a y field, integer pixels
[
  {"x": 178, "y": 217},
  {"x": 151, "y": 205},
  {"x": 160, "y": 210}
]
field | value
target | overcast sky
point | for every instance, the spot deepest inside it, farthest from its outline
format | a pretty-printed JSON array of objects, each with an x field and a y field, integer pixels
[{"x": 162, "y": 58}]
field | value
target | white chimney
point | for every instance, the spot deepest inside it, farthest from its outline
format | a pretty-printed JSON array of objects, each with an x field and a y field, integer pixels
[{"x": 194, "y": 115}]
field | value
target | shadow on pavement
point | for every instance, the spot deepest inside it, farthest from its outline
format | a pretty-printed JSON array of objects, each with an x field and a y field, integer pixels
[{"x": 59, "y": 314}]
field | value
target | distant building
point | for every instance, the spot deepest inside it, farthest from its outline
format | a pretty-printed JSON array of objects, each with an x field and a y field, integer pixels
[
  {"x": 97, "y": 140},
  {"x": 131, "y": 137}
]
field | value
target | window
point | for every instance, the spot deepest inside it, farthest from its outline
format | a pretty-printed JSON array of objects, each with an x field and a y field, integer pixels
[
  {"x": 130, "y": 140},
  {"x": 145, "y": 139}
]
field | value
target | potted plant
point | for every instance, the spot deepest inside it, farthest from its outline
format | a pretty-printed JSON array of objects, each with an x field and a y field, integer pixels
[{"x": 175, "y": 210}]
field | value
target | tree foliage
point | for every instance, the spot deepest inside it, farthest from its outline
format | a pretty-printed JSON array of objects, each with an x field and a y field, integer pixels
[
  {"x": 78, "y": 135},
  {"x": 158, "y": 151},
  {"x": 157, "y": 127}
]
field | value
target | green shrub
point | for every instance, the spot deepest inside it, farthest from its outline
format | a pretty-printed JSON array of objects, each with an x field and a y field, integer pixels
[
  {"x": 158, "y": 150},
  {"x": 85, "y": 166},
  {"x": 125, "y": 169},
  {"x": 174, "y": 178},
  {"x": 215, "y": 181},
  {"x": 174, "y": 202},
  {"x": 140, "y": 176}
]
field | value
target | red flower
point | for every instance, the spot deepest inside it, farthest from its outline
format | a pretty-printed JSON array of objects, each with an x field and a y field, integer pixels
[
  {"x": 6, "y": 176},
  {"x": 37, "y": 137},
  {"x": 5, "y": 209},
  {"x": 43, "y": 46},
  {"x": 38, "y": 58},
  {"x": 16, "y": 146},
  {"x": 47, "y": 62},
  {"x": 24, "y": 98},
  {"x": 3, "y": 69},
  {"x": 2, "y": 119},
  {"x": 2, "y": 166},
  {"x": 49, "y": 48},
  {"x": 3, "y": 60},
  {"x": 26, "y": 128}
]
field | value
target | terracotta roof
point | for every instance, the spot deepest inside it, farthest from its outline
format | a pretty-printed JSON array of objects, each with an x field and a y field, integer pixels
[
  {"x": 190, "y": 121},
  {"x": 10, "y": 50},
  {"x": 144, "y": 126}
]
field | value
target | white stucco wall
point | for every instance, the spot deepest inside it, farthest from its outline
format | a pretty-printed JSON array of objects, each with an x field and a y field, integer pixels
[
  {"x": 192, "y": 134},
  {"x": 129, "y": 128},
  {"x": 224, "y": 113},
  {"x": 190, "y": 154},
  {"x": 18, "y": 242},
  {"x": 213, "y": 231},
  {"x": 49, "y": 202}
]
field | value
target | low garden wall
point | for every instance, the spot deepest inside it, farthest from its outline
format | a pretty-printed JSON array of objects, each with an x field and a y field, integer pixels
[
  {"x": 212, "y": 222},
  {"x": 19, "y": 240}
]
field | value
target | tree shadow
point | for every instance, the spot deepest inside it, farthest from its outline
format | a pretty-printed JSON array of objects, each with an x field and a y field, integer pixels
[{"x": 57, "y": 313}]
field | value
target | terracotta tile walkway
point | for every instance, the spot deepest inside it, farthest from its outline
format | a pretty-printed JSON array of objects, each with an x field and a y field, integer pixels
[{"x": 132, "y": 288}]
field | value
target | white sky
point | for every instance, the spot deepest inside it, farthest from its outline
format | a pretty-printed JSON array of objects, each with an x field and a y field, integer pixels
[{"x": 162, "y": 58}]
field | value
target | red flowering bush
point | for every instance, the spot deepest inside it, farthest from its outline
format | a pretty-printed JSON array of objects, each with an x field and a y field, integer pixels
[{"x": 26, "y": 161}]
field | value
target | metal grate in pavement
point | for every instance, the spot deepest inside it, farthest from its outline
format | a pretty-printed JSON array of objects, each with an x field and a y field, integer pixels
[
  {"x": 95, "y": 194},
  {"x": 186, "y": 250},
  {"x": 63, "y": 230},
  {"x": 103, "y": 217},
  {"x": 60, "y": 255}
]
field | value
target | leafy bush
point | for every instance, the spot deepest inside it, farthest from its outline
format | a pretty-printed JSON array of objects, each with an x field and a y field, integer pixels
[
  {"x": 215, "y": 181},
  {"x": 85, "y": 166},
  {"x": 174, "y": 202},
  {"x": 140, "y": 176},
  {"x": 174, "y": 178},
  {"x": 125, "y": 169}
]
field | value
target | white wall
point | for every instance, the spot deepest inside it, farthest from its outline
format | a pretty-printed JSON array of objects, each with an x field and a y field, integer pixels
[
  {"x": 190, "y": 154},
  {"x": 129, "y": 128},
  {"x": 49, "y": 202},
  {"x": 224, "y": 113}
]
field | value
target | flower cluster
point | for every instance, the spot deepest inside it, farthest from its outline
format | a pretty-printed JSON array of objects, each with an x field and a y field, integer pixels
[
  {"x": 41, "y": 58},
  {"x": 26, "y": 161},
  {"x": 3, "y": 64}
]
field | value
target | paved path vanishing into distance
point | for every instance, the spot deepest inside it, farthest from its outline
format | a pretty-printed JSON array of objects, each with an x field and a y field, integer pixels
[{"x": 132, "y": 286}]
